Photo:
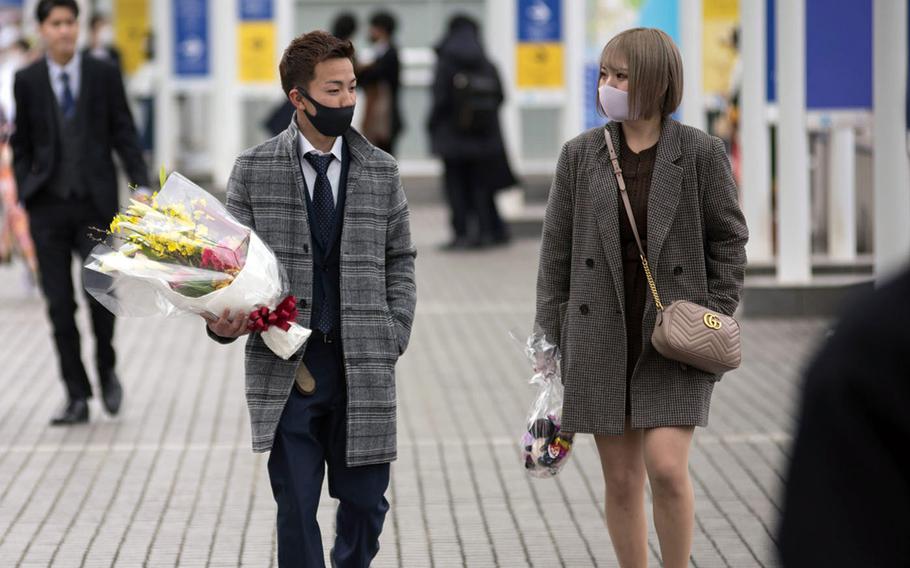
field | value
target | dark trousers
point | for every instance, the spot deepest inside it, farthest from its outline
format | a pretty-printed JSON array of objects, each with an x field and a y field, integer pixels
[
  {"x": 472, "y": 201},
  {"x": 59, "y": 227},
  {"x": 310, "y": 436}
]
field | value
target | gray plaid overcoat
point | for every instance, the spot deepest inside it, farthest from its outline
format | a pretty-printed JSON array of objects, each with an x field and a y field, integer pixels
[
  {"x": 696, "y": 248},
  {"x": 378, "y": 292}
]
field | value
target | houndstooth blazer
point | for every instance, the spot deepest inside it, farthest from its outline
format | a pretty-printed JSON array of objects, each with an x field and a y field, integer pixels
[
  {"x": 378, "y": 291},
  {"x": 696, "y": 249}
]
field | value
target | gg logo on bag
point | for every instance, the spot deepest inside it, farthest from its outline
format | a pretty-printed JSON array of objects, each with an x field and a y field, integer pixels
[{"x": 712, "y": 321}]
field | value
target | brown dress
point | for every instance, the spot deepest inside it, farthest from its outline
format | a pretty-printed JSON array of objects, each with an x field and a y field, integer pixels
[{"x": 636, "y": 172}]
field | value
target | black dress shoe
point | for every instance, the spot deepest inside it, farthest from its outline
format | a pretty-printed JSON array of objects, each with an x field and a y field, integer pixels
[
  {"x": 111, "y": 392},
  {"x": 76, "y": 412}
]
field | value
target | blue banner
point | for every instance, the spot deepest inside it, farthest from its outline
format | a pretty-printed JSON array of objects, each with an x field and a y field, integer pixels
[
  {"x": 592, "y": 76},
  {"x": 255, "y": 10},
  {"x": 770, "y": 51},
  {"x": 540, "y": 21},
  {"x": 191, "y": 38},
  {"x": 838, "y": 54}
]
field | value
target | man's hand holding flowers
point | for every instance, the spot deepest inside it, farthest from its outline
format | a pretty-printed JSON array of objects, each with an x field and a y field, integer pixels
[{"x": 228, "y": 325}]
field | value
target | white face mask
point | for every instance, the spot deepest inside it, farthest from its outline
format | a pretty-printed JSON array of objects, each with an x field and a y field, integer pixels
[
  {"x": 614, "y": 102},
  {"x": 106, "y": 36}
]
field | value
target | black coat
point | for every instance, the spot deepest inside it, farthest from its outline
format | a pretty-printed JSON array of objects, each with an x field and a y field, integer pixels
[
  {"x": 460, "y": 51},
  {"x": 848, "y": 490},
  {"x": 107, "y": 126}
]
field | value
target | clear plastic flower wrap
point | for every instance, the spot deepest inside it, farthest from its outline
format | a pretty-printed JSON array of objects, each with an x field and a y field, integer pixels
[
  {"x": 181, "y": 252},
  {"x": 545, "y": 448}
]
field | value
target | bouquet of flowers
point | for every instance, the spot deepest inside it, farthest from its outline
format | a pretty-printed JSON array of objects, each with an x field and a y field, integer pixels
[
  {"x": 545, "y": 448},
  {"x": 182, "y": 252}
]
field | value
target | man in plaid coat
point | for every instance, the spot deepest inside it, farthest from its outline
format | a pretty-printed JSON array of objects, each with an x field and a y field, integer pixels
[{"x": 332, "y": 208}]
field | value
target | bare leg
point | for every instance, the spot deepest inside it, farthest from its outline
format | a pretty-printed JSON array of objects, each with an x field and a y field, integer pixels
[
  {"x": 666, "y": 454},
  {"x": 621, "y": 458}
]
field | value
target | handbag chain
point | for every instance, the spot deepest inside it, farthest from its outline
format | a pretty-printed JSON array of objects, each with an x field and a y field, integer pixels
[{"x": 625, "y": 199}]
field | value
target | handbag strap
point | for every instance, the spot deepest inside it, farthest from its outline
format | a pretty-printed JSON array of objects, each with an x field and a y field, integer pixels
[{"x": 625, "y": 200}]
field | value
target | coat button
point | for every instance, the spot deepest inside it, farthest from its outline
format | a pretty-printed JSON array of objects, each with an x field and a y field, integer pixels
[
  {"x": 301, "y": 303},
  {"x": 306, "y": 248},
  {"x": 589, "y": 263},
  {"x": 677, "y": 271},
  {"x": 583, "y": 309}
]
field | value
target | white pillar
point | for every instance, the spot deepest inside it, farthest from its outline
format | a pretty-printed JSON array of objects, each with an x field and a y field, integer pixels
[
  {"x": 793, "y": 218},
  {"x": 285, "y": 21},
  {"x": 574, "y": 17},
  {"x": 166, "y": 124},
  {"x": 754, "y": 135},
  {"x": 842, "y": 194},
  {"x": 500, "y": 39},
  {"x": 890, "y": 169},
  {"x": 690, "y": 27},
  {"x": 228, "y": 110}
]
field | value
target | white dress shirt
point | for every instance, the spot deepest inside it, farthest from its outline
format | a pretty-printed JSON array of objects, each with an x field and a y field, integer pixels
[
  {"x": 309, "y": 172},
  {"x": 73, "y": 69}
]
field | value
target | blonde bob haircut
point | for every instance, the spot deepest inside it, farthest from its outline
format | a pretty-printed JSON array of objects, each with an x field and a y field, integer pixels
[{"x": 654, "y": 68}]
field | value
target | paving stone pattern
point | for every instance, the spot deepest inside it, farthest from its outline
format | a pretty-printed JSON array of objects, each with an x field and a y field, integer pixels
[{"x": 172, "y": 481}]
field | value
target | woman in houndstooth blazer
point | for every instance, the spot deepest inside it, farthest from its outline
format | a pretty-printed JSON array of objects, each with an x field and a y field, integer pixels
[{"x": 593, "y": 301}]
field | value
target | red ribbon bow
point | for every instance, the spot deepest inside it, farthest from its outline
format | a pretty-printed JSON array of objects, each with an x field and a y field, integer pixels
[{"x": 282, "y": 316}]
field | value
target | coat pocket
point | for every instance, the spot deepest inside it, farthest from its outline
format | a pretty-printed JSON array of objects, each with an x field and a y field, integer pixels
[{"x": 393, "y": 331}]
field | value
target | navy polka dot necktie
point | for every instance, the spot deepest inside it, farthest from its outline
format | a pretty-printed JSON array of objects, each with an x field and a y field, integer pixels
[{"x": 323, "y": 202}]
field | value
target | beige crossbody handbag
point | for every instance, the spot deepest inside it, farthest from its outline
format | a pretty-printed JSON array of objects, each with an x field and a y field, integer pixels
[{"x": 685, "y": 331}]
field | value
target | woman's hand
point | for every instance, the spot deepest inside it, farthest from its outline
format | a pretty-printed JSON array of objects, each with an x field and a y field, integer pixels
[{"x": 227, "y": 325}]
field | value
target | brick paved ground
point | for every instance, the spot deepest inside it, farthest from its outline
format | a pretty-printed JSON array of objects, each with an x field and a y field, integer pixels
[{"x": 172, "y": 480}]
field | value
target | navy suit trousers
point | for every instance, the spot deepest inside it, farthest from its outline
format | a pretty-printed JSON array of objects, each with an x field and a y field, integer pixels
[{"x": 310, "y": 439}]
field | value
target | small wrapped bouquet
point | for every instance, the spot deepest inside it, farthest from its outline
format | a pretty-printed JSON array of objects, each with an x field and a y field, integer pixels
[
  {"x": 545, "y": 448},
  {"x": 181, "y": 251}
]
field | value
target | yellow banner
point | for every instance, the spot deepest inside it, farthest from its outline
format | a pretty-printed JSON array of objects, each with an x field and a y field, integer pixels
[
  {"x": 720, "y": 9},
  {"x": 256, "y": 62},
  {"x": 539, "y": 65},
  {"x": 131, "y": 30},
  {"x": 720, "y": 20}
]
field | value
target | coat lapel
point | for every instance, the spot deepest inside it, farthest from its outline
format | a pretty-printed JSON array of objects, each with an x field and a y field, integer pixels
[
  {"x": 360, "y": 150},
  {"x": 289, "y": 144},
  {"x": 84, "y": 94},
  {"x": 666, "y": 184},
  {"x": 44, "y": 82},
  {"x": 605, "y": 197}
]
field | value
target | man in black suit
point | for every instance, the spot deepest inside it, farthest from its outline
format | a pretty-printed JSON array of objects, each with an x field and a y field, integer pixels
[{"x": 71, "y": 113}]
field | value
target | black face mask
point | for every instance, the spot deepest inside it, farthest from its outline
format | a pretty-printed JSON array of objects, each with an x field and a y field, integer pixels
[{"x": 329, "y": 121}]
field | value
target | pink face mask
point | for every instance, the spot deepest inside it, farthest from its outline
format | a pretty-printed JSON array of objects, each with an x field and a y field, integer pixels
[{"x": 614, "y": 102}]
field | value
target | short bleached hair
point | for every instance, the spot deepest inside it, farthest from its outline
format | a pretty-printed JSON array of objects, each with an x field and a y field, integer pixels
[{"x": 654, "y": 67}]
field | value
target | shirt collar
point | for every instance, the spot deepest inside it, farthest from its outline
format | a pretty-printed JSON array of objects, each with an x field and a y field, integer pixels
[
  {"x": 306, "y": 147},
  {"x": 72, "y": 67}
]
